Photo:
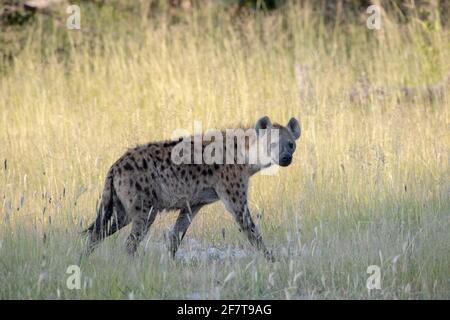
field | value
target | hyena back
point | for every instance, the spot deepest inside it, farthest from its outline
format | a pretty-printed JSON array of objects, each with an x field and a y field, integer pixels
[{"x": 146, "y": 181}]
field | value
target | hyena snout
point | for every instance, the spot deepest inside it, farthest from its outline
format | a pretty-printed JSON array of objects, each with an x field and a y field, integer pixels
[{"x": 285, "y": 160}]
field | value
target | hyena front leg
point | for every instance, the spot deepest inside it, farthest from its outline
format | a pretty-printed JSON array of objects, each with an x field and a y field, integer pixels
[
  {"x": 179, "y": 230},
  {"x": 239, "y": 208}
]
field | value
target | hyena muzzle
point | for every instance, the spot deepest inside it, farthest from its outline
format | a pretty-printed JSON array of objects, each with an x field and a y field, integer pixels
[{"x": 146, "y": 180}]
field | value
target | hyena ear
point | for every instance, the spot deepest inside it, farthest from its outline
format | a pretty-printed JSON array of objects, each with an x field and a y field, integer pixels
[
  {"x": 294, "y": 126},
  {"x": 263, "y": 123}
]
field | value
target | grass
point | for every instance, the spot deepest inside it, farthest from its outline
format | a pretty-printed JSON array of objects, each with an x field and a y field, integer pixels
[{"x": 369, "y": 184}]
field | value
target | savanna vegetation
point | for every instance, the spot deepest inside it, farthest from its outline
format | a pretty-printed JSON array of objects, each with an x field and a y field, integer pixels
[{"x": 369, "y": 184}]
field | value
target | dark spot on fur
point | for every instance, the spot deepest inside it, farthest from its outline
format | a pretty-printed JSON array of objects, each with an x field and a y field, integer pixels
[
  {"x": 144, "y": 164},
  {"x": 170, "y": 144},
  {"x": 138, "y": 186},
  {"x": 128, "y": 167}
]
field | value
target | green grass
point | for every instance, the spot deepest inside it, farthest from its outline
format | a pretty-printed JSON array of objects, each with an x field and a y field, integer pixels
[{"x": 369, "y": 184}]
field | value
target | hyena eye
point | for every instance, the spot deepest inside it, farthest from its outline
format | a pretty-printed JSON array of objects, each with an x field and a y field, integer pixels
[{"x": 291, "y": 145}]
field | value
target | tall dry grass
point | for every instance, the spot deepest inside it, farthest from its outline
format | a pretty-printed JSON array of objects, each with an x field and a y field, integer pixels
[{"x": 369, "y": 184}]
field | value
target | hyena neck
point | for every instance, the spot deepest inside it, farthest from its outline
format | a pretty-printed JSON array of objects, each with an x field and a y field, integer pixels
[
  {"x": 255, "y": 168},
  {"x": 257, "y": 157}
]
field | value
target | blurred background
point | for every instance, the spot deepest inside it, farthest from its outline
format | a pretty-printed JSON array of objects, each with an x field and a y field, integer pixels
[{"x": 17, "y": 16}]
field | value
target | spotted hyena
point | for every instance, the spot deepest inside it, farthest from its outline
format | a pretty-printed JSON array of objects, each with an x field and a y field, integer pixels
[{"x": 149, "y": 179}]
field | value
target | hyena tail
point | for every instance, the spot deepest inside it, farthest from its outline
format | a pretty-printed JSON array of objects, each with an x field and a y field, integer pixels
[
  {"x": 111, "y": 217},
  {"x": 98, "y": 228}
]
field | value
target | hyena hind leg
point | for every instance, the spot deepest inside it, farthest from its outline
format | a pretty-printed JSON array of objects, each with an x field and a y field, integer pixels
[
  {"x": 103, "y": 228},
  {"x": 181, "y": 226},
  {"x": 142, "y": 219}
]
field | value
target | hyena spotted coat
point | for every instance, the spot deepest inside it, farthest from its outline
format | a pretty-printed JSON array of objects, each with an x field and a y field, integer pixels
[{"x": 145, "y": 181}]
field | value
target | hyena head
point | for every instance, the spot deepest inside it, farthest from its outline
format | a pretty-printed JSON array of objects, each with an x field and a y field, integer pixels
[{"x": 279, "y": 141}]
